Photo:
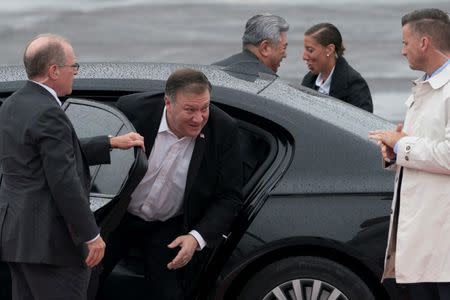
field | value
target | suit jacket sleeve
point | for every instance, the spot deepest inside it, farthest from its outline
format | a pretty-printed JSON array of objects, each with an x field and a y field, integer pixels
[
  {"x": 96, "y": 150},
  {"x": 52, "y": 134},
  {"x": 227, "y": 201}
]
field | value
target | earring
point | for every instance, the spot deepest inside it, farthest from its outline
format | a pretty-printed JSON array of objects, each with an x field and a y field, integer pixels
[{"x": 328, "y": 54}]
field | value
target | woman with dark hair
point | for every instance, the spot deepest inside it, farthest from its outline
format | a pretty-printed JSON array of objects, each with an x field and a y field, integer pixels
[{"x": 329, "y": 71}]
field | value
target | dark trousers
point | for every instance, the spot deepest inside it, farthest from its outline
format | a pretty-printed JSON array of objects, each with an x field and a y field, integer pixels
[
  {"x": 152, "y": 239},
  {"x": 48, "y": 282},
  {"x": 429, "y": 291}
]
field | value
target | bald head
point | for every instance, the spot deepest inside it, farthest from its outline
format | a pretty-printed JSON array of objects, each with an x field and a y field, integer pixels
[{"x": 42, "y": 51}]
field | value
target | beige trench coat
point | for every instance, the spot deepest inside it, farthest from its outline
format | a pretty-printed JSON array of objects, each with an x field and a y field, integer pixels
[{"x": 419, "y": 243}]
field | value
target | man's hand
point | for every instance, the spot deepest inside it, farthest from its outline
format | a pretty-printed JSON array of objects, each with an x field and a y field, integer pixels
[
  {"x": 127, "y": 141},
  {"x": 387, "y": 140},
  {"x": 387, "y": 137},
  {"x": 387, "y": 152},
  {"x": 188, "y": 245},
  {"x": 96, "y": 252}
]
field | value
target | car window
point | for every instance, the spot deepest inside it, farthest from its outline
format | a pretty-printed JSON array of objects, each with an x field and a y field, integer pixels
[
  {"x": 93, "y": 119},
  {"x": 258, "y": 148},
  {"x": 258, "y": 144},
  {"x": 90, "y": 121}
]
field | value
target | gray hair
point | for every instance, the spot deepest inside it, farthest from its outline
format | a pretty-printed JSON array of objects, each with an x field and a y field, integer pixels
[
  {"x": 38, "y": 60},
  {"x": 263, "y": 27}
]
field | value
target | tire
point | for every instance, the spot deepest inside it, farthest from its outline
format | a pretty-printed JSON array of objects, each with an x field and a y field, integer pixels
[{"x": 314, "y": 278}]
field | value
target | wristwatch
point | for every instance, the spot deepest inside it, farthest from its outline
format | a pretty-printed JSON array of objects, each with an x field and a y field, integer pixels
[{"x": 110, "y": 145}]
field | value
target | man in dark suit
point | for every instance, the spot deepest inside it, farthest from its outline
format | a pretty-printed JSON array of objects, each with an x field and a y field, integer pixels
[
  {"x": 264, "y": 45},
  {"x": 192, "y": 189},
  {"x": 48, "y": 234}
]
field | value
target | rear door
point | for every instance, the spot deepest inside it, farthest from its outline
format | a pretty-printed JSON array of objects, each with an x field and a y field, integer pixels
[{"x": 111, "y": 185}]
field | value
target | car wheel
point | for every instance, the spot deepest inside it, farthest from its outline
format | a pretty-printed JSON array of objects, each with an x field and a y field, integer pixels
[{"x": 307, "y": 278}]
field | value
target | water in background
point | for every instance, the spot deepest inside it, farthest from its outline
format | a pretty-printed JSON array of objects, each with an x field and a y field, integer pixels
[
  {"x": 202, "y": 32},
  {"x": 24, "y": 5}
]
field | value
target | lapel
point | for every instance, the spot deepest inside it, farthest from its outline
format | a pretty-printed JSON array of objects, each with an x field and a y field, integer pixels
[
  {"x": 148, "y": 125},
  {"x": 196, "y": 160},
  {"x": 310, "y": 81}
]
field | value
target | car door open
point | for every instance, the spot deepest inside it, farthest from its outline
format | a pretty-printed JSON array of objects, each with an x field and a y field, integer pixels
[{"x": 112, "y": 184}]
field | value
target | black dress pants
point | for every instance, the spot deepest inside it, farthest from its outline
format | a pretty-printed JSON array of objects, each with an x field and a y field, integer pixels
[
  {"x": 48, "y": 282},
  {"x": 152, "y": 239},
  {"x": 429, "y": 291}
]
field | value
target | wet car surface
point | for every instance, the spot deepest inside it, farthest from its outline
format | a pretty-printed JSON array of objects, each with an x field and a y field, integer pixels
[{"x": 317, "y": 201}]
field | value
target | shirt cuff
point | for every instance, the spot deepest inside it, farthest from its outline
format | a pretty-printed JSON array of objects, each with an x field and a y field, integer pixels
[
  {"x": 201, "y": 242},
  {"x": 396, "y": 145},
  {"x": 93, "y": 240}
]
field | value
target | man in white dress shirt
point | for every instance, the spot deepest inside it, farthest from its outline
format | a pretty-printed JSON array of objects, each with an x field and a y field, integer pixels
[{"x": 192, "y": 189}]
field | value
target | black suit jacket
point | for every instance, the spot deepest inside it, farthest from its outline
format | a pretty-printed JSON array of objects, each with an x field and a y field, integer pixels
[
  {"x": 44, "y": 194},
  {"x": 346, "y": 85},
  {"x": 213, "y": 194},
  {"x": 245, "y": 62}
]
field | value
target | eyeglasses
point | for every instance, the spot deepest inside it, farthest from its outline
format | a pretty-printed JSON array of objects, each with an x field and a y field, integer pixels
[{"x": 75, "y": 66}]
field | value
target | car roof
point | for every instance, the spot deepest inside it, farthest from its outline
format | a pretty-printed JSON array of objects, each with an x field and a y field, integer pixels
[
  {"x": 344, "y": 128},
  {"x": 10, "y": 75},
  {"x": 133, "y": 77}
]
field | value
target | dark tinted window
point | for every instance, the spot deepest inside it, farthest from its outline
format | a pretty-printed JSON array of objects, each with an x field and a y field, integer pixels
[{"x": 90, "y": 121}]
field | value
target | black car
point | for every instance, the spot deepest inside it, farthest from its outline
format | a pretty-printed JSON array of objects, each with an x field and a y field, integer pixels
[{"x": 317, "y": 201}]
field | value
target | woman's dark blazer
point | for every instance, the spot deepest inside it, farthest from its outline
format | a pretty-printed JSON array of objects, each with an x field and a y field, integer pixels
[{"x": 346, "y": 84}]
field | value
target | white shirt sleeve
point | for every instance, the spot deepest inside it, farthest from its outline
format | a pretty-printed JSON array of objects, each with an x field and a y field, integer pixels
[
  {"x": 93, "y": 240},
  {"x": 201, "y": 242}
]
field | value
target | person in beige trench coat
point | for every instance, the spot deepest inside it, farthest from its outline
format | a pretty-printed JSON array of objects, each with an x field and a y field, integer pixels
[{"x": 418, "y": 251}]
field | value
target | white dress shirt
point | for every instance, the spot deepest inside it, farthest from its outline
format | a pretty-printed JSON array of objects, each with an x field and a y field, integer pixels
[
  {"x": 324, "y": 86},
  {"x": 160, "y": 194}
]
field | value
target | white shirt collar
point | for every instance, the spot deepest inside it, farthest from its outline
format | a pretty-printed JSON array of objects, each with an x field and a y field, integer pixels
[
  {"x": 163, "y": 125},
  {"x": 437, "y": 71},
  {"x": 50, "y": 90},
  {"x": 437, "y": 80},
  {"x": 324, "y": 87}
]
